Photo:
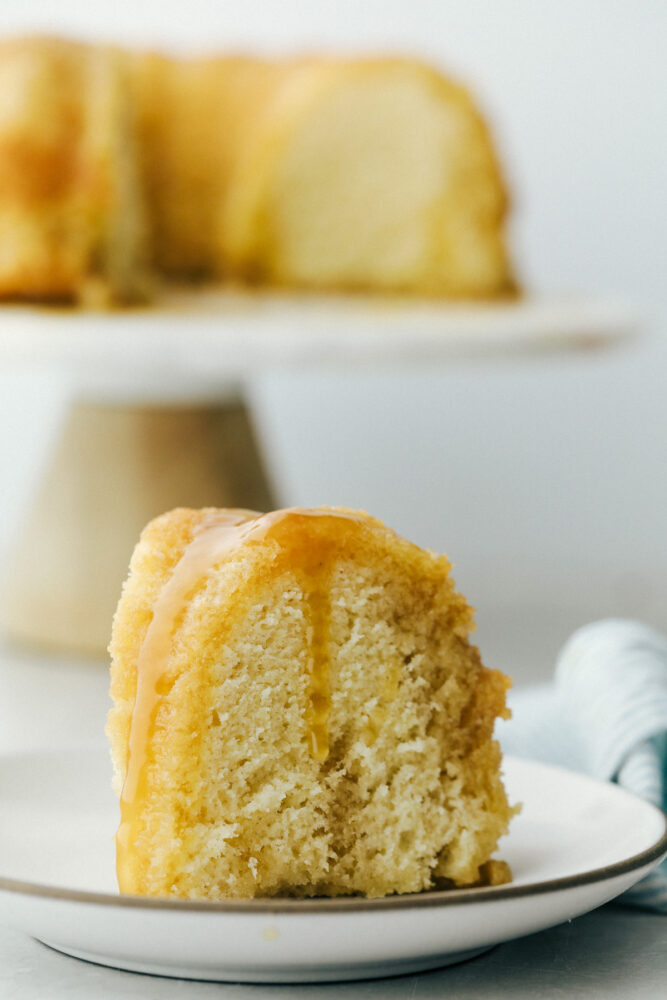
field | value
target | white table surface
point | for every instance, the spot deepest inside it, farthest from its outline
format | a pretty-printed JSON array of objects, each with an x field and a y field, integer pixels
[
  {"x": 605, "y": 955},
  {"x": 611, "y": 953}
]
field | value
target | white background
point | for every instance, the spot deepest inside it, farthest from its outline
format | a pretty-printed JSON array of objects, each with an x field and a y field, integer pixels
[{"x": 545, "y": 480}]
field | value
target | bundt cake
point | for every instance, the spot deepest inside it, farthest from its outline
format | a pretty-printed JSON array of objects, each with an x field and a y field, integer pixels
[
  {"x": 297, "y": 710},
  {"x": 322, "y": 173}
]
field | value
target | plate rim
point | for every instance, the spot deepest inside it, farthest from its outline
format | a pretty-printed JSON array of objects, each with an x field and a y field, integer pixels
[{"x": 355, "y": 904}]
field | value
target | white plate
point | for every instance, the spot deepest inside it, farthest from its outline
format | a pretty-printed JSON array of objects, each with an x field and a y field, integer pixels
[{"x": 577, "y": 844}]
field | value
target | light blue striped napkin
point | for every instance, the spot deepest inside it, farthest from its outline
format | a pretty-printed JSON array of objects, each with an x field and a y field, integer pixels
[{"x": 605, "y": 714}]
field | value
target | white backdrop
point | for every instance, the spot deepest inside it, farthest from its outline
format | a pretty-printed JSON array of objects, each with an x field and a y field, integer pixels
[{"x": 545, "y": 480}]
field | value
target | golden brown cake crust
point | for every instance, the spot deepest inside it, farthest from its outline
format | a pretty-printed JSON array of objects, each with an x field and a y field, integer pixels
[
  {"x": 316, "y": 723},
  {"x": 71, "y": 214}
]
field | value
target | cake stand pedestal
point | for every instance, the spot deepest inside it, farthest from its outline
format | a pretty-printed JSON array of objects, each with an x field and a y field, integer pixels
[
  {"x": 115, "y": 467},
  {"x": 160, "y": 420}
]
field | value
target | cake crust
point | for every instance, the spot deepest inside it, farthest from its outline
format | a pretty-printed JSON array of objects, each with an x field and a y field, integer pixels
[{"x": 71, "y": 210}]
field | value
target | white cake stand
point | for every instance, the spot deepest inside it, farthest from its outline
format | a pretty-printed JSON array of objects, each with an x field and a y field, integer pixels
[{"x": 160, "y": 419}]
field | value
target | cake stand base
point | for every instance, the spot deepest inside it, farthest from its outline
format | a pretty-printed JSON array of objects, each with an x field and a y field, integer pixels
[{"x": 113, "y": 469}]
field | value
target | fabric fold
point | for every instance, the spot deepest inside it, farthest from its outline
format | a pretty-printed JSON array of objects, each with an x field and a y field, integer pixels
[{"x": 605, "y": 714}]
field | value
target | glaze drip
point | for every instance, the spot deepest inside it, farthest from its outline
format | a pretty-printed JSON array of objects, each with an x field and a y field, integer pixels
[
  {"x": 305, "y": 552},
  {"x": 213, "y": 539},
  {"x": 319, "y": 700}
]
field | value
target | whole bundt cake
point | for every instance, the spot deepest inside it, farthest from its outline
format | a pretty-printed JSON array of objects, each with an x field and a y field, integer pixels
[{"x": 121, "y": 171}]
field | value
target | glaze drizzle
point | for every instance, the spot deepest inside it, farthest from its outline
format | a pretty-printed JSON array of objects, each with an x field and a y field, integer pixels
[{"x": 304, "y": 551}]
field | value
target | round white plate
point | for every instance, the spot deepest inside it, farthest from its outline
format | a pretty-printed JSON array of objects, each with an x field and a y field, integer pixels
[{"x": 577, "y": 843}]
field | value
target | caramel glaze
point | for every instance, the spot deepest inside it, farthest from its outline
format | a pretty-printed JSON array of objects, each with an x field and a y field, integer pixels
[
  {"x": 304, "y": 550},
  {"x": 379, "y": 715}
]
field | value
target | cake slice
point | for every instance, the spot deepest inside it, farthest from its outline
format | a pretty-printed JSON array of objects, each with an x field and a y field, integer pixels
[
  {"x": 297, "y": 710},
  {"x": 72, "y": 222}
]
